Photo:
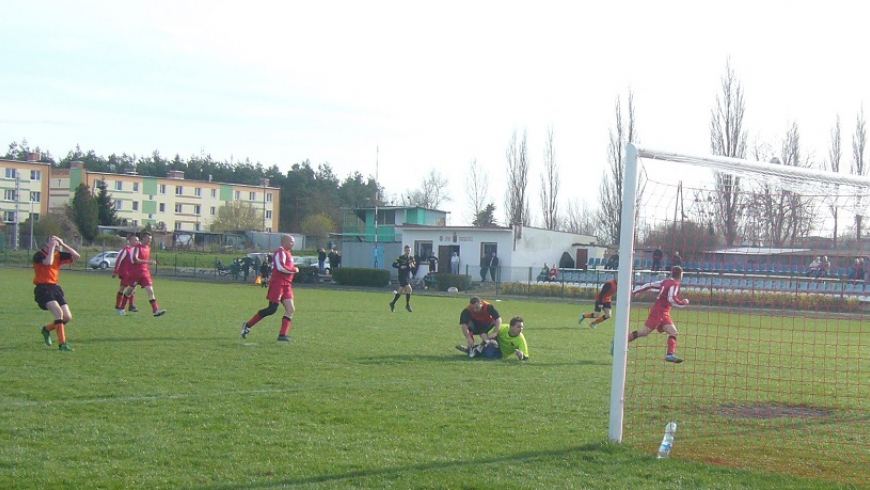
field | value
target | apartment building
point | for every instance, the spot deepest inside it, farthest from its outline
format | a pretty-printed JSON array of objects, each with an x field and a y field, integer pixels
[{"x": 32, "y": 188}]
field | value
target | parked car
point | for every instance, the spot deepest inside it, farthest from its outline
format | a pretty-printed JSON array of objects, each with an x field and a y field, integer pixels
[{"x": 103, "y": 260}]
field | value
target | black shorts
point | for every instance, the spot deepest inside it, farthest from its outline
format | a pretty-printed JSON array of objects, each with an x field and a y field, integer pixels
[
  {"x": 600, "y": 306},
  {"x": 404, "y": 280},
  {"x": 46, "y": 293}
]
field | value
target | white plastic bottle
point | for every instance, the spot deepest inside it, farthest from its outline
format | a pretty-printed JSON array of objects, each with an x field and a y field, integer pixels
[{"x": 668, "y": 440}]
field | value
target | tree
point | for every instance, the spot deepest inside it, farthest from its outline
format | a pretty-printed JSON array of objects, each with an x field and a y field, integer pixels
[
  {"x": 106, "y": 215},
  {"x": 610, "y": 191},
  {"x": 516, "y": 201},
  {"x": 486, "y": 217},
  {"x": 550, "y": 185},
  {"x": 859, "y": 143},
  {"x": 432, "y": 192},
  {"x": 580, "y": 219},
  {"x": 319, "y": 226},
  {"x": 238, "y": 216},
  {"x": 85, "y": 213},
  {"x": 835, "y": 153},
  {"x": 728, "y": 139},
  {"x": 477, "y": 189}
]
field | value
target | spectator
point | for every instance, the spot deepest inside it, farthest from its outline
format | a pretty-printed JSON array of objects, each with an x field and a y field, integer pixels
[
  {"x": 553, "y": 274},
  {"x": 612, "y": 262},
  {"x": 825, "y": 265},
  {"x": 545, "y": 272},
  {"x": 454, "y": 263},
  {"x": 484, "y": 267},
  {"x": 676, "y": 260},
  {"x": 493, "y": 265},
  {"x": 333, "y": 259},
  {"x": 815, "y": 264},
  {"x": 657, "y": 256},
  {"x": 433, "y": 263},
  {"x": 321, "y": 260}
]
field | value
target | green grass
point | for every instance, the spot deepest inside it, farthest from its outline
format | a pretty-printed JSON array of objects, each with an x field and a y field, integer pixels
[{"x": 365, "y": 398}]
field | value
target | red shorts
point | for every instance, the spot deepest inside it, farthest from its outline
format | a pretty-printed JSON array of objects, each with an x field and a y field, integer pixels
[
  {"x": 125, "y": 280},
  {"x": 139, "y": 278},
  {"x": 279, "y": 292},
  {"x": 658, "y": 319}
]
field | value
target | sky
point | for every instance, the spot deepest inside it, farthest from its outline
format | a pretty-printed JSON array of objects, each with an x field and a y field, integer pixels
[{"x": 399, "y": 88}]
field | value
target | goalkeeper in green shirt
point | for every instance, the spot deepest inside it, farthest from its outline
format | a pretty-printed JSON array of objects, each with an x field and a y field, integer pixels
[{"x": 511, "y": 342}]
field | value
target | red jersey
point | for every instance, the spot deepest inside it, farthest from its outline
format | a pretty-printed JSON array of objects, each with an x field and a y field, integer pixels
[
  {"x": 124, "y": 261},
  {"x": 606, "y": 293},
  {"x": 283, "y": 267},
  {"x": 48, "y": 274},
  {"x": 140, "y": 253},
  {"x": 669, "y": 294}
]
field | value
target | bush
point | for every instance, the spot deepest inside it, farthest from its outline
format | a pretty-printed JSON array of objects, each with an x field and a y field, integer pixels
[
  {"x": 351, "y": 276},
  {"x": 444, "y": 281}
]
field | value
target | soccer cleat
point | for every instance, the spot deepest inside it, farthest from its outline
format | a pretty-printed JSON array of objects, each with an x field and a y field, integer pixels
[
  {"x": 582, "y": 317},
  {"x": 673, "y": 358},
  {"x": 479, "y": 348},
  {"x": 46, "y": 336},
  {"x": 245, "y": 330},
  {"x": 592, "y": 325},
  {"x": 133, "y": 309},
  {"x": 159, "y": 312},
  {"x": 121, "y": 311},
  {"x": 408, "y": 307},
  {"x": 472, "y": 352},
  {"x": 462, "y": 348},
  {"x": 65, "y": 348},
  {"x": 392, "y": 306},
  {"x": 284, "y": 338}
]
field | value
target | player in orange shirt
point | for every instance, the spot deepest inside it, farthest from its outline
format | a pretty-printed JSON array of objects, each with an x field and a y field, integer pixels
[
  {"x": 48, "y": 293},
  {"x": 603, "y": 302}
]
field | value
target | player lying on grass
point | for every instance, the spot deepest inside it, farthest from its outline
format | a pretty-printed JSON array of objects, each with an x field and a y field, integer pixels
[{"x": 510, "y": 341}]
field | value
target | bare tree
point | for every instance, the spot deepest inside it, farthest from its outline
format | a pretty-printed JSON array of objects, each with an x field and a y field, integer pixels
[
  {"x": 859, "y": 143},
  {"x": 432, "y": 192},
  {"x": 477, "y": 189},
  {"x": 550, "y": 185},
  {"x": 580, "y": 219},
  {"x": 516, "y": 201},
  {"x": 610, "y": 191},
  {"x": 728, "y": 138},
  {"x": 783, "y": 216},
  {"x": 835, "y": 154}
]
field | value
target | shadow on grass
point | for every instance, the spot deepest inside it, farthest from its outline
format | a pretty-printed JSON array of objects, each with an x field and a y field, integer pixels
[
  {"x": 459, "y": 358},
  {"x": 341, "y": 478},
  {"x": 174, "y": 340}
]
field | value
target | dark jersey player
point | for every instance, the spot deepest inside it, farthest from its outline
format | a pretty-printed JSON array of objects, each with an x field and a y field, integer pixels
[
  {"x": 405, "y": 264},
  {"x": 603, "y": 303}
]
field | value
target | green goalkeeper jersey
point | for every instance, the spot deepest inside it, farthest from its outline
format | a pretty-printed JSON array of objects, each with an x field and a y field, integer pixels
[{"x": 508, "y": 345}]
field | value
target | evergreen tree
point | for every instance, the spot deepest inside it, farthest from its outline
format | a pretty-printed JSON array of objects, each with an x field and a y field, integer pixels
[
  {"x": 85, "y": 213},
  {"x": 106, "y": 215}
]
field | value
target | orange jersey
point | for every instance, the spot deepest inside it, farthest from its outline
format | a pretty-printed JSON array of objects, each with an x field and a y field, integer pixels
[
  {"x": 486, "y": 315},
  {"x": 49, "y": 274},
  {"x": 607, "y": 292}
]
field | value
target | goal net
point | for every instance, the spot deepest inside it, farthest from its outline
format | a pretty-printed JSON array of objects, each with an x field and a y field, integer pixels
[{"x": 776, "y": 371}]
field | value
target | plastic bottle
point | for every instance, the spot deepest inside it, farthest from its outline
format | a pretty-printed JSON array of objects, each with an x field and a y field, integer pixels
[{"x": 668, "y": 440}]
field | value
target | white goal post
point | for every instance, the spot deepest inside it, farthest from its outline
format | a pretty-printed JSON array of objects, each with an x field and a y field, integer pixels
[{"x": 787, "y": 177}]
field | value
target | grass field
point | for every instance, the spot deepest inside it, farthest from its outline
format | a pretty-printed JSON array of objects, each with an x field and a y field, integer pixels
[{"x": 364, "y": 398}]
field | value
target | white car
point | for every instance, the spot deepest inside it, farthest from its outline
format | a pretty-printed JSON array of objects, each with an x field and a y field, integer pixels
[{"x": 103, "y": 260}]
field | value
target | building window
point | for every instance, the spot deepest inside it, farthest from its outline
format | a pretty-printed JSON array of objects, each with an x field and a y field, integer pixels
[
  {"x": 34, "y": 216},
  {"x": 36, "y": 175},
  {"x": 135, "y": 205},
  {"x": 9, "y": 195},
  {"x": 163, "y": 188},
  {"x": 178, "y": 208},
  {"x": 9, "y": 216},
  {"x": 162, "y": 207},
  {"x": 135, "y": 222},
  {"x": 213, "y": 210},
  {"x": 197, "y": 192},
  {"x": 35, "y": 196},
  {"x": 118, "y": 205},
  {"x": 179, "y": 190},
  {"x": 10, "y": 173},
  {"x": 269, "y": 197},
  {"x": 177, "y": 225},
  {"x": 119, "y": 186},
  {"x": 197, "y": 227},
  {"x": 196, "y": 209},
  {"x": 387, "y": 217},
  {"x": 238, "y": 195},
  {"x": 252, "y": 196},
  {"x": 269, "y": 229},
  {"x": 214, "y": 193},
  {"x": 135, "y": 187},
  {"x": 268, "y": 214}
]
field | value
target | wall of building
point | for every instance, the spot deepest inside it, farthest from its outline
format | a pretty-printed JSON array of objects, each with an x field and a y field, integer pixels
[{"x": 33, "y": 182}]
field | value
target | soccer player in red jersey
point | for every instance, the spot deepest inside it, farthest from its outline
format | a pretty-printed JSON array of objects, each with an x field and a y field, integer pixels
[
  {"x": 660, "y": 314},
  {"x": 280, "y": 290},
  {"x": 48, "y": 293},
  {"x": 478, "y": 318},
  {"x": 123, "y": 264},
  {"x": 603, "y": 302},
  {"x": 141, "y": 275}
]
